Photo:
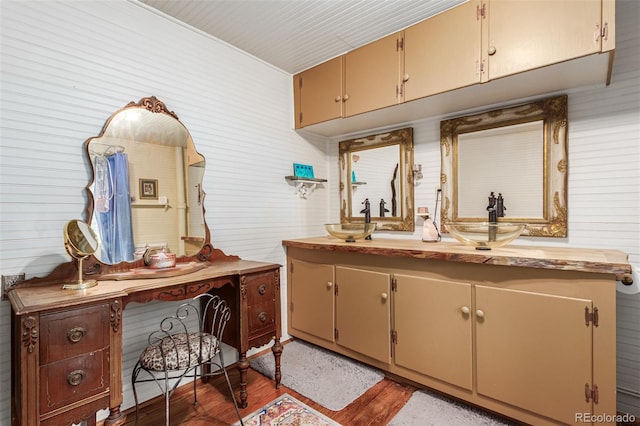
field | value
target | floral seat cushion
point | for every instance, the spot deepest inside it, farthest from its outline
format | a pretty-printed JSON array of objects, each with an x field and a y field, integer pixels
[{"x": 179, "y": 351}]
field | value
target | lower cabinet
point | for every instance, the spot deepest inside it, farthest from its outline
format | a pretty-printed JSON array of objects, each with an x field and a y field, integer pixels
[
  {"x": 433, "y": 328},
  {"x": 534, "y": 351},
  {"x": 522, "y": 342},
  {"x": 311, "y": 299},
  {"x": 363, "y": 312}
]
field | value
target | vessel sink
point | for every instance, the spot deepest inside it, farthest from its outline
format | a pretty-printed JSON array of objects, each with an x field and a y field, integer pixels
[
  {"x": 485, "y": 235},
  {"x": 350, "y": 232}
]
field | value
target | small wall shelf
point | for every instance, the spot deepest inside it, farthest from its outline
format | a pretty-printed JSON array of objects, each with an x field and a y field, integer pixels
[{"x": 304, "y": 186}]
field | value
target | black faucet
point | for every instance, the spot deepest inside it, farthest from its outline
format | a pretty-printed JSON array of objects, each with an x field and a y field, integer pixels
[
  {"x": 500, "y": 208},
  {"x": 383, "y": 210},
  {"x": 367, "y": 213},
  {"x": 493, "y": 216}
]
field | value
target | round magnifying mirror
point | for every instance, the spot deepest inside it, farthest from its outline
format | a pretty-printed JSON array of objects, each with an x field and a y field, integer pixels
[{"x": 80, "y": 242}]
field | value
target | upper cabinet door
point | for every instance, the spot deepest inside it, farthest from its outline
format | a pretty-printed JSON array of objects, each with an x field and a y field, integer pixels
[
  {"x": 527, "y": 34},
  {"x": 443, "y": 52},
  {"x": 318, "y": 93},
  {"x": 372, "y": 75}
]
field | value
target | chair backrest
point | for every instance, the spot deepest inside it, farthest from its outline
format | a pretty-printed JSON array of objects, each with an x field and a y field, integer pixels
[
  {"x": 178, "y": 333},
  {"x": 214, "y": 314}
]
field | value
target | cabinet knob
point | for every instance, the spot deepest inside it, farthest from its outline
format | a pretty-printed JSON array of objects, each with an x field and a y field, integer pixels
[
  {"x": 338, "y": 98},
  {"x": 329, "y": 284},
  {"x": 384, "y": 296},
  {"x": 262, "y": 316},
  {"x": 75, "y": 377},
  {"x": 405, "y": 78},
  {"x": 75, "y": 334},
  {"x": 480, "y": 313},
  {"x": 465, "y": 310},
  {"x": 262, "y": 289},
  {"x": 492, "y": 50},
  {"x": 345, "y": 98}
]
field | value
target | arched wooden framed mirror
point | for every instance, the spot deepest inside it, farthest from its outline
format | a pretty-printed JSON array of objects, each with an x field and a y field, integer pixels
[{"x": 146, "y": 189}]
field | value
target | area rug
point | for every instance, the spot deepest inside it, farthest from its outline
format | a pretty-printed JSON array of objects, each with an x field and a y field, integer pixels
[
  {"x": 329, "y": 379},
  {"x": 286, "y": 410},
  {"x": 430, "y": 409}
]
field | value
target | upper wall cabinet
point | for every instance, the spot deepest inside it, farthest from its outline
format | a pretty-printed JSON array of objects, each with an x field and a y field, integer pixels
[
  {"x": 523, "y": 35},
  {"x": 479, "y": 53},
  {"x": 372, "y": 75},
  {"x": 318, "y": 93},
  {"x": 442, "y": 53}
]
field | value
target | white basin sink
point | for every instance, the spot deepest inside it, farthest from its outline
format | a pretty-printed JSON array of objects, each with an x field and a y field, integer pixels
[
  {"x": 485, "y": 235},
  {"x": 350, "y": 232}
]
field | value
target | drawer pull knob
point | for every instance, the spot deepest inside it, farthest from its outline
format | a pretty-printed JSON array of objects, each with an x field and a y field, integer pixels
[
  {"x": 75, "y": 377},
  {"x": 75, "y": 334},
  {"x": 262, "y": 316},
  {"x": 262, "y": 289},
  {"x": 480, "y": 313},
  {"x": 465, "y": 310}
]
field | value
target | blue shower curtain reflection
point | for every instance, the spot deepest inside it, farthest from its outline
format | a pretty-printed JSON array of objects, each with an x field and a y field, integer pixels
[{"x": 114, "y": 221}]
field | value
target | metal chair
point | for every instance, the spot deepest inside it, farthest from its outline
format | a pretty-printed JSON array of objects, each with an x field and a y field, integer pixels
[{"x": 177, "y": 350}]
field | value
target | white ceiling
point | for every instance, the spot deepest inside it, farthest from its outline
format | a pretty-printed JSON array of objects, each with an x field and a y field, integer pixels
[{"x": 294, "y": 35}]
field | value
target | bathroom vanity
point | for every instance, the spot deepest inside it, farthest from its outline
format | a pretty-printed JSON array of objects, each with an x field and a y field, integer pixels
[
  {"x": 67, "y": 346},
  {"x": 528, "y": 332}
]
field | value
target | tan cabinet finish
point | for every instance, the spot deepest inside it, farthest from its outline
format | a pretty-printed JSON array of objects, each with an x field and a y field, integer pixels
[
  {"x": 363, "y": 312},
  {"x": 441, "y": 310},
  {"x": 442, "y": 53},
  {"x": 311, "y": 303},
  {"x": 318, "y": 93},
  {"x": 458, "y": 60},
  {"x": 528, "y": 332},
  {"x": 524, "y": 35},
  {"x": 533, "y": 350},
  {"x": 372, "y": 75}
]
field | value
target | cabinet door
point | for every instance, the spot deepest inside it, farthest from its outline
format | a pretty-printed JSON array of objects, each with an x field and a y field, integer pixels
[
  {"x": 311, "y": 306},
  {"x": 443, "y": 52},
  {"x": 372, "y": 75},
  {"x": 318, "y": 93},
  {"x": 432, "y": 322},
  {"x": 363, "y": 312},
  {"x": 527, "y": 34},
  {"x": 534, "y": 351}
]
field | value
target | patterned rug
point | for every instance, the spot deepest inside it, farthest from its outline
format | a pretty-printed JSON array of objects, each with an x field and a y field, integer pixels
[{"x": 286, "y": 410}]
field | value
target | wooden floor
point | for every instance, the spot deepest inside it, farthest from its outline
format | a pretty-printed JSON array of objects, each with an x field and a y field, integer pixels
[{"x": 376, "y": 407}]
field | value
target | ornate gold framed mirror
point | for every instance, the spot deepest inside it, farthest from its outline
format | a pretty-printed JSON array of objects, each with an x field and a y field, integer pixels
[
  {"x": 519, "y": 152},
  {"x": 378, "y": 168},
  {"x": 145, "y": 149}
]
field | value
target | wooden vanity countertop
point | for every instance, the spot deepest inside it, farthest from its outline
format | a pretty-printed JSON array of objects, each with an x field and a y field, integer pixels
[{"x": 559, "y": 258}]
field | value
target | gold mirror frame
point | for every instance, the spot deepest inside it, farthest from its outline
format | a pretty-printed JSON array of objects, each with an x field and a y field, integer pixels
[
  {"x": 404, "y": 220},
  {"x": 552, "y": 112}
]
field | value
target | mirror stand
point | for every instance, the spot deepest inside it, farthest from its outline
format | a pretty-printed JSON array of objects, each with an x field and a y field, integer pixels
[{"x": 80, "y": 285}]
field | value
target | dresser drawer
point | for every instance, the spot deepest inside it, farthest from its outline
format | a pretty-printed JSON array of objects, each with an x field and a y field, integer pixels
[
  {"x": 73, "y": 379},
  {"x": 69, "y": 333},
  {"x": 261, "y": 299}
]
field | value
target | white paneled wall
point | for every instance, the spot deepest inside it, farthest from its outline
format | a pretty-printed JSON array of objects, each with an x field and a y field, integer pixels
[{"x": 67, "y": 66}]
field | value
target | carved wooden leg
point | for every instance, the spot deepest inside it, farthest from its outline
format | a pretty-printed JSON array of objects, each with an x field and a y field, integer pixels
[
  {"x": 243, "y": 366},
  {"x": 116, "y": 417},
  {"x": 277, "y": 352}
]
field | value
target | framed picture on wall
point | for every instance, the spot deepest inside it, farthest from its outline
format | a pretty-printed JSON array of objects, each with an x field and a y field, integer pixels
[{"x": 148, "y": 189}]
